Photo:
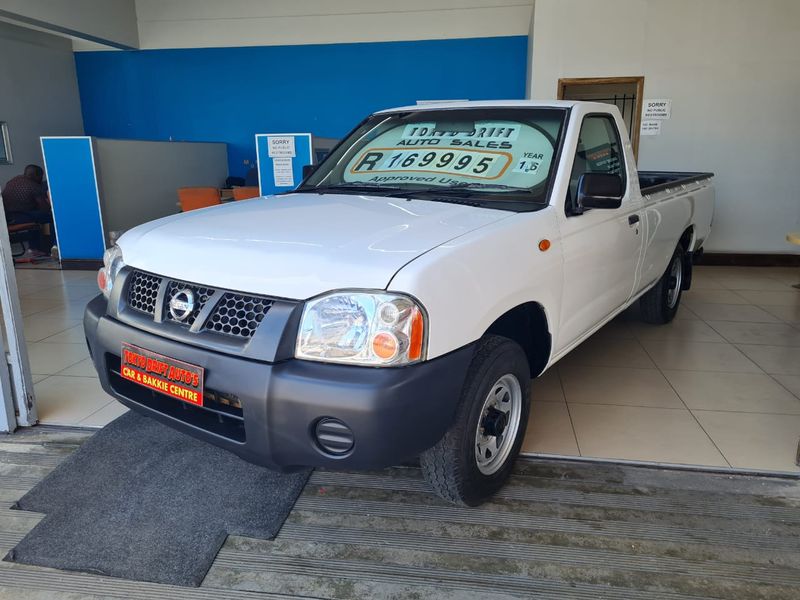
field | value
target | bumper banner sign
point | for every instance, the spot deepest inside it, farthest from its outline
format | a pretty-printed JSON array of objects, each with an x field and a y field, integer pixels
[{"x": 162, "y": 374}]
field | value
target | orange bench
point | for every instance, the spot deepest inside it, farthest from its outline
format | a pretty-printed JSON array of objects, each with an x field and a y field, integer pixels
[
  {"x": 192, "y": 198},
  {"x": 245, "y": 193}
]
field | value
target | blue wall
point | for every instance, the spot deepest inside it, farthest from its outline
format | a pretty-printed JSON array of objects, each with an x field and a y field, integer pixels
[{"x": 230, "y": 94}]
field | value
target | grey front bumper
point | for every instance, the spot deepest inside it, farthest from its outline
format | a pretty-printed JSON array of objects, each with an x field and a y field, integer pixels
[{"x": 394, "y": 413}]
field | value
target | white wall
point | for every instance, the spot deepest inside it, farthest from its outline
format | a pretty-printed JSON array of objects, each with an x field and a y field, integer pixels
[
  {"x": 211, "y": 23},
  {"x": 38, "y": 93},
  {"x": 108, "y": 21},
  {"x": 732, "y": 70}
]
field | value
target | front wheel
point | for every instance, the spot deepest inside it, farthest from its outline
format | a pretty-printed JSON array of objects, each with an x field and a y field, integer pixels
[
  {"x": 475, "y": 457},
  {"x": 660, "y": 304}
]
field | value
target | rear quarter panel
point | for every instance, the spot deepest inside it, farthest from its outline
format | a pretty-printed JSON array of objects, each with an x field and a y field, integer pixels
[
  {"x": 704, "y": 200},
  {"x": 466, "y": 284},
  {"x": 668, "y": 213}
]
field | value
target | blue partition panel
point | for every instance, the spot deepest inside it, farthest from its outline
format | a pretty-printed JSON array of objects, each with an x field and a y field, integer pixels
[
  {"x": 323, "y": 88},
  {"x": 71, "y": 175},
  {"x": 267, "y": 173}
]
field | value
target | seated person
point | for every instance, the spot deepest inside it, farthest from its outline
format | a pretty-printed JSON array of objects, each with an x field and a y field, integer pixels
[{"x": 25, "y": 200}]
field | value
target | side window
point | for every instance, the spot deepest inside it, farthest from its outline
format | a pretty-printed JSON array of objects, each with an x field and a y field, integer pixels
[{"x": 599, "y": 151}]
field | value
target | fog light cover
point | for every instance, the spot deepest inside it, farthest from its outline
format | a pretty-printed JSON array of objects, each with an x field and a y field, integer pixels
[{"x": 334, "y": 437}]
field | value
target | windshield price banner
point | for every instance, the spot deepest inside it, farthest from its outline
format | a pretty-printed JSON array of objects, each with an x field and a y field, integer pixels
[
  {"x": 481, "y": 164},
  {"x": 504, "y": 152}
]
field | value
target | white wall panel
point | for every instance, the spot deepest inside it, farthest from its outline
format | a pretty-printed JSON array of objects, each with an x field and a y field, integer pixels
[
  {"x": 732, "y": 70},
  {"x": 209, "y": 23},
  {"x": 38, "y": 93},
  {"x": 112, "y": 21}
]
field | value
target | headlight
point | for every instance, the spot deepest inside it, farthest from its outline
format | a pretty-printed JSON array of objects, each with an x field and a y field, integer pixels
[
  {"x": 362, "y": 328},
  {"x": 112, "y": 263}
]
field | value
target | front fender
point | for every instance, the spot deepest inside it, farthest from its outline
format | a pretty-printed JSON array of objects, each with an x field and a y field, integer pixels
[{"x": 466, "y": 284}]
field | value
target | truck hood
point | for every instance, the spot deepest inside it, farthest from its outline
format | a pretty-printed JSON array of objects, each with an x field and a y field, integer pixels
[{"x": 299, "y": 245}]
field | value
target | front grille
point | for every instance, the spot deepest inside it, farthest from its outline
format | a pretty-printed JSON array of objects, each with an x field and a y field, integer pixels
[
  {"x": 201, "y": 296},
  {"x": 233, "y": 314},
  {"x": 143, "y": 292},
  {"x": 237, "y": 314}
]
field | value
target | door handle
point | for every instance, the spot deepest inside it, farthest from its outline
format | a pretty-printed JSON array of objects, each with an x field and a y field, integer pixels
[{"x": 633, "y": 219}]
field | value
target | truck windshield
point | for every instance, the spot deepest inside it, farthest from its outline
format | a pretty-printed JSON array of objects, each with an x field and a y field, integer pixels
[{"x": 485, "y": 154}]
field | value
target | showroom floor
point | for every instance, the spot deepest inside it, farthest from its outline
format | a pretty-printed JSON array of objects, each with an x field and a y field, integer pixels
[
  {"x": 66, "y": 386},
  {"x": 720, "y": 386}
]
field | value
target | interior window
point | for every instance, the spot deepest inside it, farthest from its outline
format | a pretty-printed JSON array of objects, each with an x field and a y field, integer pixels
[{"x": 599, "y": 151}]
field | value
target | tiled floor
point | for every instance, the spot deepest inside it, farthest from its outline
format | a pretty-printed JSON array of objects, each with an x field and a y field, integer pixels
[
  {"x": 719, "y": 386},
  {"x": 65, "y": 383}
]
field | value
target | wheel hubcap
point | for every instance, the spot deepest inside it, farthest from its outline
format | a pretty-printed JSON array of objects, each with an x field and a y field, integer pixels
[
  {"x": 495, "y": 421},
  {"x": 498, "y": 424},
  {"x": 674, "y": 282}
]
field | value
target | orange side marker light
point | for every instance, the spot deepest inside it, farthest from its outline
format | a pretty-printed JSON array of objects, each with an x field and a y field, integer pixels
[
  {"x": 417, "y": 333},
  {"x": 544, "y": 245}
]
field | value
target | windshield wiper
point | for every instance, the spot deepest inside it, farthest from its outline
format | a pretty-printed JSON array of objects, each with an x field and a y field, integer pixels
[
  {"x": 469, "y": 187},
  {"x": 463, "y": 194},
  {"x": 367, "y": 186},
  {"x": 465, "y": 191},
  {"x": 455, "y": 193}
]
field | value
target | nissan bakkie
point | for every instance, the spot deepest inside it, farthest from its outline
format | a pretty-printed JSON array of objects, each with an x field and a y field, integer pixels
[{"x": 398, "y": 304}]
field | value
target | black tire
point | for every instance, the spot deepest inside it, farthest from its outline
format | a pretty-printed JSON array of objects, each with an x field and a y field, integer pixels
[
  {"x": 655, "y": 304},
  {"x": 451, "y": 466}
]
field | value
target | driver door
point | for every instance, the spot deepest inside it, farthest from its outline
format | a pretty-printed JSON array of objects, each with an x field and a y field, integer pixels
[{"x": 601, "y": 246}]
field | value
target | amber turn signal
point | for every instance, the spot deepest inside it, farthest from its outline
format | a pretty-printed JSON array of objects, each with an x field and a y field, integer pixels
[
  {"x": 385, "y": 345},
  {"x": 102, "y": 280},
  {"x": 544, "y": 245}
]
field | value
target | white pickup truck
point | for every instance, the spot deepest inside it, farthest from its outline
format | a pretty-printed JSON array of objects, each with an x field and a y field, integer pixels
[{"x": 399, "y": 302}]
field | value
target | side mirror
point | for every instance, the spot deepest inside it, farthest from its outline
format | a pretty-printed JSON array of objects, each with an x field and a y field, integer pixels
[
  {"x": 308, "y": 170},
  {"x": 599, "y": 190}
]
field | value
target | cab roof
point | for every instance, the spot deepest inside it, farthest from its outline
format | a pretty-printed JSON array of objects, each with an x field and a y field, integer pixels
[{"x": 447, "y": 104}]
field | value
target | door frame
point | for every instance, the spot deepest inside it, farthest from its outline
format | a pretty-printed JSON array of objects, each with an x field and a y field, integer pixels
[
  {"x": 17, "y": 400},
  {"x": 637, "y": 108}
]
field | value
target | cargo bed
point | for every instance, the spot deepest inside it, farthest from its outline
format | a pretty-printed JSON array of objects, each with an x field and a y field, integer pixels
[{"x": 651, "y": 182}]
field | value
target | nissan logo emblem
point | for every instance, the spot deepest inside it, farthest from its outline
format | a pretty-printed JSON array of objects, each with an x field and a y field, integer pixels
[{"x": 182, "y": 305}]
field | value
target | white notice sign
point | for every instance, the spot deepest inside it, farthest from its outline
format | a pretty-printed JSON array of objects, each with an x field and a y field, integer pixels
[
  {"x": 651, "y": 127},
  {"x": 282, "y": 171},
  {"x": 280, "y": 145},
  {"x": 657, "y": 109}
]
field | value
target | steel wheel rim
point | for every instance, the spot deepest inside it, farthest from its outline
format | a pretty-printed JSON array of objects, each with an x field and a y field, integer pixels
[
  {"x": 492, "y": 451},
  {"x": 675, "y": 281}
]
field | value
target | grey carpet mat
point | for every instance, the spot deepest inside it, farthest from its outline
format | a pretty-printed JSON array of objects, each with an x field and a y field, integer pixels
[{"x": 141, "y": 501}]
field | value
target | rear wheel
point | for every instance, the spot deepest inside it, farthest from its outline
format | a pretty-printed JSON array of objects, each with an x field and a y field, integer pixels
[
  {"x": 475, "y": 457},
  {"x": 660, "y": 304}
]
